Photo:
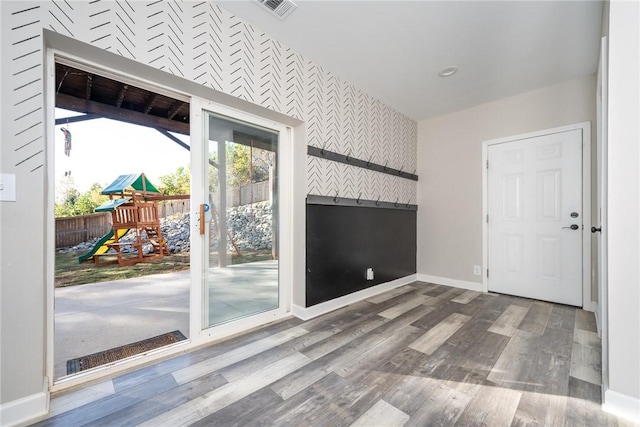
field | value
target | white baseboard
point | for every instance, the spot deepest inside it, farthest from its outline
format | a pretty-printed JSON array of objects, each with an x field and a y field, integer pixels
[
  {"x": 622, "y": 405},
  {"x": 592, "y": 306},
  {"x": 325, "y": 307},
  {"x": 22, "y": 411},
  {"x": 463, "y": 284}
]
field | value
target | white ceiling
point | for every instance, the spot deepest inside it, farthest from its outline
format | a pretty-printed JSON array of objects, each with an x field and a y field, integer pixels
[{"x": 394, "y": 50}]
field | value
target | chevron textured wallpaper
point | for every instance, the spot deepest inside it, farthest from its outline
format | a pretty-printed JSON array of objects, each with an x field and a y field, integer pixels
[{"x": 202, "y": 42}]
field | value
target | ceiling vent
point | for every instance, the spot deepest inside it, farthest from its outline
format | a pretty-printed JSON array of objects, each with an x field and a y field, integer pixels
[{"x": 279, "y": 8}]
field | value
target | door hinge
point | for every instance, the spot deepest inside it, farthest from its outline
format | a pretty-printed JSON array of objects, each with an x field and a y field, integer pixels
[
  {"x": 487, "y": 218},
  {"x": 487, "y": 164},
  {"x": 487, "y": 273}
]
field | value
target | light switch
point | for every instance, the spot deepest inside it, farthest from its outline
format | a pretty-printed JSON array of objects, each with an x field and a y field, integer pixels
[{"x": 7, "y": 187}]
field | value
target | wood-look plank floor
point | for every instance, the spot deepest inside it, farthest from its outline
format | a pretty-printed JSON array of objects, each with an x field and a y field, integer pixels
[{"x": 419, "y": 355}]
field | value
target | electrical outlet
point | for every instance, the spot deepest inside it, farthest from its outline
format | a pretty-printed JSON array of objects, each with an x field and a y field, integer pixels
[
  {"x": 369, "y": 273},
  {"x": 477, "y": 270}
]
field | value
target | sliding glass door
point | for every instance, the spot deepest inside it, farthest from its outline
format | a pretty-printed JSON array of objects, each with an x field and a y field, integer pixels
[{"x": 240, "y": 267}]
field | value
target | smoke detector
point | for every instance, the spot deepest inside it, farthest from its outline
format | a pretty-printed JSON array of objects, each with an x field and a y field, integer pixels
[{"x": 279, "y": 8}]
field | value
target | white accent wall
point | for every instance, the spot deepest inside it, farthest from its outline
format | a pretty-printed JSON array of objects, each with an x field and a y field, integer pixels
[{"x": 195, "y": 42}]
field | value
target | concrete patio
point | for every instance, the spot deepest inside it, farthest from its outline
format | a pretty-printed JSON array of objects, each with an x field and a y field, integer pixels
[{"x": 101, "y": 316}]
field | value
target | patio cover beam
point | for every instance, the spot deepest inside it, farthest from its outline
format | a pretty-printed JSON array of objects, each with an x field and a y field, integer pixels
[{"x": 79, "y": 105}]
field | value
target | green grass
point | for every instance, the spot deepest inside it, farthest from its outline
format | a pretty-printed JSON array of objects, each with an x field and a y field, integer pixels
[{"x": 68, "y": 272}]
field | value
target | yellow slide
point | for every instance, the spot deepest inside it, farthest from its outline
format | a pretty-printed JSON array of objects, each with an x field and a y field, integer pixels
[{"x": 101, "y": 245}]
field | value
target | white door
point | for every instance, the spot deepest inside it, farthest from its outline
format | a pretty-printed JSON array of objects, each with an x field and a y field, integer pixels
[{"x": 534, "y": 190}]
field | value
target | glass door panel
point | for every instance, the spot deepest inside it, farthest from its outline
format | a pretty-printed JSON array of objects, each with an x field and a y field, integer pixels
[{"x": 241, "y": 261}]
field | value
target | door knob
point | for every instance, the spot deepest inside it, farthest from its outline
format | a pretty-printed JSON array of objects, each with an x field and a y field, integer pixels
[
  {"x": 573, "y": 226},
  {"x": 596, "y": 229}
]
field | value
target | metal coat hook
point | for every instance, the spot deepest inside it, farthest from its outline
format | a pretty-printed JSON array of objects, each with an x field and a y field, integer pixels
[
  {"x": 359, "y": 201},
  {"x": 378, "y": 201},
  {"x": 396, "y": 203},
  {"x": 348, "y": 158},
  {"x": 335, "y": 199}
]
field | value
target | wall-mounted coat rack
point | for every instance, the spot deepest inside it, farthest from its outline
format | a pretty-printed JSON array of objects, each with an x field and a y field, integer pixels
[
  {"x": 312, "y": 199},
  {"x": 348, "y": 160}
]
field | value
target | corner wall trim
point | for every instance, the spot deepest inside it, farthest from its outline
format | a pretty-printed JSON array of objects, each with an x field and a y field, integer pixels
[
  {"x": 463, "y": 284},
  {"x": 305, "y": 313},
  {"x": 595, "y": 308},
  {"x": 622, "y": 405},
  {"x": 29, "y": 408}
]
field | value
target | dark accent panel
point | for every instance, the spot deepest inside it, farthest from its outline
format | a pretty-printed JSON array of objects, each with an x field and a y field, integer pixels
[
  {"x": 343, "y": 241},
  {"x": 348, "y": 160}
]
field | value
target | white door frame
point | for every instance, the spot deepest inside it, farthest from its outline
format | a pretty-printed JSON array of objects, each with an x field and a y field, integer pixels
[
  {"x": 198, "y": 332},
  {"x": 602, "y": 164},
  {"x": 288, "y": 216},
  {"x": 586, "y": 202},
  {"x": 53, "y": 55}
]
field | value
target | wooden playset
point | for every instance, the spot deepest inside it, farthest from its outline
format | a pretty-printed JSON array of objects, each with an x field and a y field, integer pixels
[{"x": 134, "y": 210}]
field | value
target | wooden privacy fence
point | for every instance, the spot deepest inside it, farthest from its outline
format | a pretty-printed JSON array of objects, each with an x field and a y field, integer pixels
[
  {"x": 239, "y": 196},
  {"x": 169, "y": 208},
  {"x": 250, "y": 193},
  {"x": 77, "y": 229}
]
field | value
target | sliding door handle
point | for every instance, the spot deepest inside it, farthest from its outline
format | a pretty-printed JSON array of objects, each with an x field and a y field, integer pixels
[{"x": 202, "y": 220}]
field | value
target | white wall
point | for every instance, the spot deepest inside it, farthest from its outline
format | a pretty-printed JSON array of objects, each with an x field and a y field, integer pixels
[
  {"x": 623, "y": 395},
  {"x": 22, "y": 290},
  {"x": 450, "y": 169}
]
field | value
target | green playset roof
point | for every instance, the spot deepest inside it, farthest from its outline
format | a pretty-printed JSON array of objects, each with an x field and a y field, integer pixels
[
  {"x": 110, "y": 205},
  {"x": 137, "y": 182}
]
